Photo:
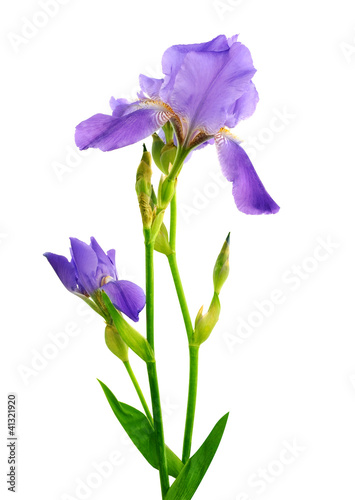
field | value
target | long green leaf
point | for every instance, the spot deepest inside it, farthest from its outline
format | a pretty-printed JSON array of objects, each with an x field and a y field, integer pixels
[
  {"x": 186, "y": 484},
  {"x": 142, "y": 434}
]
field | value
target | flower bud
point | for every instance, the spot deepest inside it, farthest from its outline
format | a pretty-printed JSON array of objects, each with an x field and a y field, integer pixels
[
  {"x": 166, "y": 191},
  {"x": 167, "y": 156},
  {"x": 205, "y": 323},
  {"x": 144, "y": 188},
  {"x": 162, "y": 241},
  {"x": 221, "y": 268},
  {"x": 115, "y": 343},
  {"x": 157, "y": 146}
]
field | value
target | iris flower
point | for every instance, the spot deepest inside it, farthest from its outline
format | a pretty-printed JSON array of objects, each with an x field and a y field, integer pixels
[
  {"x": 91, "y": 270},
  {"x": 207, "y": 89}
]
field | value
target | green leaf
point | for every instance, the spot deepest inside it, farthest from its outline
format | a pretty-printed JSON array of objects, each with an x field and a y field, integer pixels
[
  {"x": 131, "y": 337},
  {"x": 141, "y": 432},
  {"x": 185, "y": 486}
]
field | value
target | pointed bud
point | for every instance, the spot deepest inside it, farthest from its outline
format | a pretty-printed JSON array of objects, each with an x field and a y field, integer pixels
[
  {"x": 166, "y": 191},
  {"x": 157, "y": 146},
  {"x": 115, "y": 343},
  {"x": 221, "y": 268},
  {"x": 144, "y": 188},
  {"x": 205, "y": 323},
  {"x": 167, "y": 156},
  {"x": 162, "y": 241}
]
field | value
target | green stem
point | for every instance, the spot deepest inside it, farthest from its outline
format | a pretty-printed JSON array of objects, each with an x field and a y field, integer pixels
[
  {"x": 151, "y": 367},
  {"x": 191, "y": 403},
  {"x": 181, "y": 294},
  {"x": 139, "y": 391}
]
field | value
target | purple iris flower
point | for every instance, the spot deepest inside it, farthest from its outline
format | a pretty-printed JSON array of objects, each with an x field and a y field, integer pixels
[
  {"x": 90, "y": 270},
  {"x": 206, "y": 90}
]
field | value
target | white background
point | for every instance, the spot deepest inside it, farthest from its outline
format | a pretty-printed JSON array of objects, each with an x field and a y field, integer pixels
[{"x": 293, "y": 378}]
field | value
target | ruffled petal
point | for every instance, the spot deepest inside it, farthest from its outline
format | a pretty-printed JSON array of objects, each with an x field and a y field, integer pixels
[
  {"x": 64, "y": 269},
  {"x": 127, "y": 297},
  {"x": 174, "y": 56},
  {"x": 120, "y": 107},
  {"x": 108, "y": 132},
  {"x": 86, "y": 263},
  {"x": 150, "y": 86},
  {"x": 112, "y": 256},
  {"x": 208, "y": 83},
  {"x": 249, "y": 193},
  {"x": 243, "y": 107}
]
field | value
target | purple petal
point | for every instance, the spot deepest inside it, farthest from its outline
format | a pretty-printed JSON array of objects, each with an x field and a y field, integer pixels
[
  {"x": 86, "y": 263},
  {"x": 150, "y": 86},
  {"x": 108, "y": 133},
  {"x": 243, "y": 107},
  {"x": 64, "y": 269},
  {"x": 249, "y": 193},
  {"x": 120, "y": 106},
  {"x": 208, "y": 83},
  {"x": 127, "y": 297},
  {"x": 174, "y": 56},
  {"x": 105, "y": 266},
  {"x": 112, "y": 256}
]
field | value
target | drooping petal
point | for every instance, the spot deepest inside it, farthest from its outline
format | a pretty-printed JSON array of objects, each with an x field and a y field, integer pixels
[
  {"x": 150, "y": 86},
  {"x": 105, "y": 266},
  {"x": 249, "y": 193},
  {"x": 174, "y": 56},
  {"x": 64, "y": 269},
  {"x": 243, "y": 107},
  {"x": 112, "y": 256},
  {"x": 108, "y": 133},
  {"x": 127, "y": 297},
  {"x": 208, "y": 83},
  {"x": 86, "y": 263}
]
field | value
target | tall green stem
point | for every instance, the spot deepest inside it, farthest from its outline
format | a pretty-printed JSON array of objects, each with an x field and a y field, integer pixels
[
  {"x": 139, "y": 391},
  {"x": 151, "y": 366},
  {"x": 191, "y": 403}
]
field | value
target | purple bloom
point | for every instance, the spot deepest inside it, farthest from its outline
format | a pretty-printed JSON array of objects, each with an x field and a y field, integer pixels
[
  {"x": 90, "y": 270},
  {"x": 206, "y": 90}
]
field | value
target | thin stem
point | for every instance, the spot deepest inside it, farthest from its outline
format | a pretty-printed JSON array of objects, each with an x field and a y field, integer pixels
[
  {"x": 181, "y": 294},
  {"x": 139, "y": 391},
  {"x": 173, "y": 218},
  {"x": 191, "y": 403},
  {"x": 151, "y": 366}
]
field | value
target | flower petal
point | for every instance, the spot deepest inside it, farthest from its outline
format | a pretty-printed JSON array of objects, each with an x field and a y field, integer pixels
[
  {"x": 86, "y": 263},
  {"x": 208, "y": 83},
  {"x": 243, "y": 107},
  {"x": 150, "y": 86},
  {"x": 120, "y": 106},
  {"x": 108, "y": 132},
  {"x": 174, "y": 56},
  {"x": 64, "y": 269},
  {"x": 105, "y": 266},
  {"x": 126, "y": 296},
  {"x": 249, "y": 193}
]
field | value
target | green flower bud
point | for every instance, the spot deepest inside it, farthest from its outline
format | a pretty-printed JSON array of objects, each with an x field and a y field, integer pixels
[
  {"x": 162, "y": 241},
  {"x": 167, "y": 156},
  {"x": 166, "y": 191},
  {"x": 157, "y": 146},
  {"x": 221, "y": 268},
  {"x": 144, "y": 188},
  {"x": 205, "y": 323},
  {"x": 115, "y": 343}
]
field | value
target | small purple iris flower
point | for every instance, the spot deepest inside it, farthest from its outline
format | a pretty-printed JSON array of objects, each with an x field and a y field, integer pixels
[
  {"x": 206, "y": 90},
  {"x": 90, "y": 270}
]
